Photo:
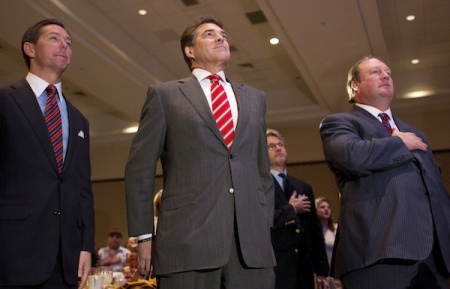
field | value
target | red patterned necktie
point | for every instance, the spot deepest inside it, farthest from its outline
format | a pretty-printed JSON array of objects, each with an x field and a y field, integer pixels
[
  {"x": 221, "y": 110},
  {"x": 385, "y": 121},
  {"x": 52, "y": 117}
]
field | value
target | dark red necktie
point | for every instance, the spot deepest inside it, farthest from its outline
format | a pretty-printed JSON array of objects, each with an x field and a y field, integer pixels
[
  {"x": 385, "y": 121},
  {"x": 221, "y": 110},
  {"x": 52, "y": 117}
]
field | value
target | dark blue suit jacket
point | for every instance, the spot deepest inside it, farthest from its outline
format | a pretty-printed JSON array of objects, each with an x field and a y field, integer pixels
[
  {"x": 390, "y": 196},
  {"x": 41, "y": 210},
  {"x": 297, "y": 241}
]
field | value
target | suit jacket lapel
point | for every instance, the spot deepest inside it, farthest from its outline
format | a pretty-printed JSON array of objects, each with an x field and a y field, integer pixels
[
  {"x": 26, "y": 100},
  {"x": 243, "y": 105},
  {"x": 369, "y": 117},
  {"x": 73, "y": 133}
]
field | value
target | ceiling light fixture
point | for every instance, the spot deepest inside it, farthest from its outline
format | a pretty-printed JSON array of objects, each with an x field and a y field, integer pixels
[
  {"x": 410, "y": 17},
  {"x": 274, "y": 41},
  {"x": 142, "y": 12},
  {"x": 419, "y": 93},
  {"x": 131, "y": 129},
  {"x": 415, "y": 61}
]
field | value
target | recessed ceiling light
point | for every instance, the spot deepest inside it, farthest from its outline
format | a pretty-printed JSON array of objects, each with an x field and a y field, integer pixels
[
  {"x": 274, "y": 41},
  {"x": 410, "y": 17},
  {"x": 142, "y": 12},
  {"x": 415, "y": 61},
  {"x": 132, "y": 129},
  {"x": 419, "y": 93}
]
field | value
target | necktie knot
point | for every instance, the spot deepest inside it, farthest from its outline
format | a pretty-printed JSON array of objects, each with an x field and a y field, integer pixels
[
  {"x": 214, "y": 77},
  {"x": 51, "y": 91},
  {"x": 384, "y": 116}
]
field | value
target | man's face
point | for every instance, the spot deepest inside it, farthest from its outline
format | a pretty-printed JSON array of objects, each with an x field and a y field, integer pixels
[
  {"x": 277, "y": 151},
  {"x": 375, "y": 83},
  {"x": 53, "y": 50},
  {"x": 114, "y": 241},
  {"x": 210, "y": 47}
]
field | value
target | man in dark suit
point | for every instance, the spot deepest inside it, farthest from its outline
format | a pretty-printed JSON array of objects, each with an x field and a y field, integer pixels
[
  {"x": 46, "y": 210},
  {"x": 297, "y": 237},
  {"x": 217, "y": 206},
  {"x": 394, "y": 224}
]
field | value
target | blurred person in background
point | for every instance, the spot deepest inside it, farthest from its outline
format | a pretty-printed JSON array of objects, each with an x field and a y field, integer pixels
[
  {"x": 329, "y": 228},
  {"x": 296, "y": 236},
  {"x": 323, "y": 207},
  {"x": 113, "y": 255}
]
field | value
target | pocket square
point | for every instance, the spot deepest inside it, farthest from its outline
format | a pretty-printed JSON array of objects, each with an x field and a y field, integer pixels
[{"x": 81, "y": 134}]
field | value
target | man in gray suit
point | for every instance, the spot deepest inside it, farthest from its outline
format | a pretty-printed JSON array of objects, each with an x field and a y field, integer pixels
[
  {"x": 394, "y": 224},
  {"x": 218, "y": 202}
]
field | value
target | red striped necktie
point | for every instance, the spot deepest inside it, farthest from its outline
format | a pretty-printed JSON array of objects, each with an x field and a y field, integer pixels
[
  {"x": 221, "y": 110},
  {"x": 52, "y": 117}
]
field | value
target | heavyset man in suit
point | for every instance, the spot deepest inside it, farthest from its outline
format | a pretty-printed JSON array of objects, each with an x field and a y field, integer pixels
[
  {"x": 297, "y": 237},
  {"x": 394, "y": 224},
  {"x": 46, "y": 215},
  {"x": 217, "y": 206}
]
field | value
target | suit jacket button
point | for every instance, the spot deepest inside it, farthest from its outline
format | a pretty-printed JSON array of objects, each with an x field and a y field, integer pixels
[
  {"x": 231, "y": 190},
  {"x": 57, "y": 213},
  {"x": 296, "y": 250},
  {"x": 297, "y": 231}
]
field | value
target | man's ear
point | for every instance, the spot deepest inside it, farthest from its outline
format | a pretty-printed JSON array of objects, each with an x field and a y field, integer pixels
[
  {"x": 354, "y": 86},
  {"x": 28, "y": 48},
  {"x": 188, "y": 51}
]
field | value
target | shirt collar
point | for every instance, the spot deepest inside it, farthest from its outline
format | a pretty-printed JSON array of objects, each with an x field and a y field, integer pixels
[
  {"x": 374, "y": 111},
  {"x": 38, "y": 85},
  {"x": 201, "y": 74}
]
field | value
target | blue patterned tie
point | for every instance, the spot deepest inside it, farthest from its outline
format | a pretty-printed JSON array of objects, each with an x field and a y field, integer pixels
[
  {"x": 385, "y": 121},
  {"x": 52, "y": 117}
]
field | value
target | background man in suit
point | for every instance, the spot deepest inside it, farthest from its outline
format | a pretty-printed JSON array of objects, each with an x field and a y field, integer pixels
[
  {"x": 46, "y": 212},
  {"x": 296, "y": 235},
  {"x": 217, "y": 206},
  {"x": 394, "y": 224}
]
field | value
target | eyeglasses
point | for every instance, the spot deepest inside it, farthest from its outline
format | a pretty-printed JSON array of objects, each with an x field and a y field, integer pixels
[{"x": 273, "y": 146}]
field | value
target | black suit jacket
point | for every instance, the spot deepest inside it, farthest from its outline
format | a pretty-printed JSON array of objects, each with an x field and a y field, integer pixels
[
  {"x": 297, "y": 240},
  {"x": 41, "y": 211}
]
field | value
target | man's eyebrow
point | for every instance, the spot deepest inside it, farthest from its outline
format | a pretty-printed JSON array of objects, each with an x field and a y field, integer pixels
[{"x": 214, "y": 30}]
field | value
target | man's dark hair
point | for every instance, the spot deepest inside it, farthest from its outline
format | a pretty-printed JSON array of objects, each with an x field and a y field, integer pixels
[
  {"x": 34, "y": 32},
  {"x": 189, "y": 35}
]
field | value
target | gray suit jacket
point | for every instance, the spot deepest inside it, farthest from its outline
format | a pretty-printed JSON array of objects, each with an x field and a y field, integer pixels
[
  {"x": 206, "y": 187},
  {"x": 387, "y": 192}
]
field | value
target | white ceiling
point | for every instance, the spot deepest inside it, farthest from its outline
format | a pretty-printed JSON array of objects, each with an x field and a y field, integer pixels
[{"x": 118, "y": 53}]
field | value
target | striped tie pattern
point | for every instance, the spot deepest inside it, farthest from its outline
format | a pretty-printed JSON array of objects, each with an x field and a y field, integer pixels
[
  {"x": 52, "y": 117},
  {"x": 221, "y": 110},
  {"x": 385, "y": 121}
]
